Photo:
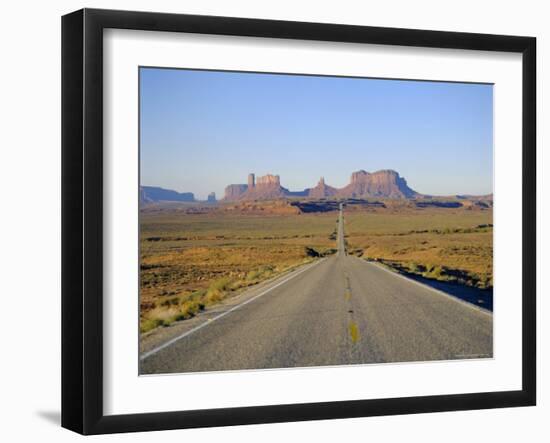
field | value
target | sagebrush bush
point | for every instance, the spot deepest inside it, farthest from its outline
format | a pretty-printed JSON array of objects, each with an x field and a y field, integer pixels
[
  {"x": 149, "y": 324},
  {"x": 253, "y": 275}
]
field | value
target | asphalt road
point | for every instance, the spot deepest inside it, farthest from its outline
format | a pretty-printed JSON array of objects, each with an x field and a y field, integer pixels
[{"x": 340, "y": 310}]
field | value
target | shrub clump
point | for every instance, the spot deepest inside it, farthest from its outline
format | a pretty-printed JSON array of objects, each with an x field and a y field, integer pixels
[{"x": 216, "y": 290}]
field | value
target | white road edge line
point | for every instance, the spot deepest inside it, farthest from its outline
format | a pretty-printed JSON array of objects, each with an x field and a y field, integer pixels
[
  {"x": 437, "y": 291},
  {"x": 234, "y": 308}
]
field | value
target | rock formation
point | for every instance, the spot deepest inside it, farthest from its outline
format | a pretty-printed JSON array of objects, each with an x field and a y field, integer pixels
[
  {"x": 385, "y": 183},
  {"x": 251, "y": 181},
  {"x": 150, "y": 194},
  {"x": 268, "y": 180},
  {"x": 322, "y": 190},
  {"x": 380, "y": 184},
  {"x": 211, "y": 197},
  {"x": 234, "y": 192},
  {"x": 267, "y": 187}
]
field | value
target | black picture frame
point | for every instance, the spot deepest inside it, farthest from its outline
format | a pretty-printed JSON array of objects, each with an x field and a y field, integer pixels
[{"x": 82, "y": 219}]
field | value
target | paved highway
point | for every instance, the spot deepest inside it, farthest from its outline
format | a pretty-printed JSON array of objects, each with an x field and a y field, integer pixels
[{"x": 339, "y": 310}]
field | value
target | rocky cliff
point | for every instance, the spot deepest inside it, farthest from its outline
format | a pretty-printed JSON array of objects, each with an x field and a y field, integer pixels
[
  {"x": 150, "y": 194},
  {"x": 268, "y": 180},
  {"x": 234, "y": 192},
  {"x": 267, "y": 187},
  {"x": 385, "y": 183},
  {"x": 322, "y": 190}
]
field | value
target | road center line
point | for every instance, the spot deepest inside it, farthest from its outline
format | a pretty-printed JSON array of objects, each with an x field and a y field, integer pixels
[
  {"x": 354, "y": 332},
  {"x": 234, "y": 308}
]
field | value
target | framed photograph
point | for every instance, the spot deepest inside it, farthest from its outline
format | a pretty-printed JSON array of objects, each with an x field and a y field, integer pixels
[{"x": 268, "y": 221}]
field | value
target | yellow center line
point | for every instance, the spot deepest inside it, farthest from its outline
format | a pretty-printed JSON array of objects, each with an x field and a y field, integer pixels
[
  {"x": 354, "y": 332},
  {"x": 347, "y": 295}
]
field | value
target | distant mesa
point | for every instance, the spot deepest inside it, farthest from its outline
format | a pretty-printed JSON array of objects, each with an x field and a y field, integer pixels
[
  {"x": 478, "y": 197},
  {"x": 385, "y": 183},
  {"x": 152, "y": 194},
  {"x": 380, "y": 184},
  {"x": 211, "y": 197},
  {"x": 267, "y": 187},
  {"x": 234, "y": 192}
]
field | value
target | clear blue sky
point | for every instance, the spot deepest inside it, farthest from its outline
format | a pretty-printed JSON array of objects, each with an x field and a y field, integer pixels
[{"x": 201, "y": 131}]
